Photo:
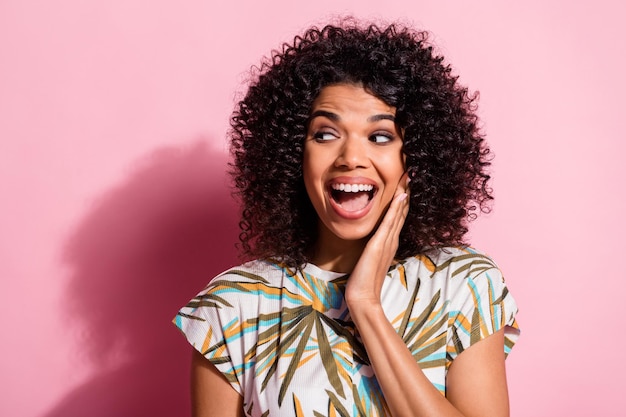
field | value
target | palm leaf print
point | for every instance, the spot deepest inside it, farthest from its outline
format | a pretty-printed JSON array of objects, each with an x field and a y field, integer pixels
[
  {"x": 418, "y": 332},
  {"x": 287, "y": 334},
  {"x": 477, "y": 262},
  {"x": 295, "y": 361},
  {"x": 292, "y": 330},
  {"x": 346, "y": 330},
  {"x": 481, "y": 323},
  {"x": 250, "y": 408},
  {"x": 286, "y": 337},
  {"x": 427, "y": 334},
  {"x": 297, "y": 327},
  {"x": 368, "y": 398},
  {"x": 326, "y": 352},
  {"x": 335, "y": 407},
  {"x": 297, "y": 407},
  {"x": 207, "y": 300},
  {"x": 484, "y": 323}
]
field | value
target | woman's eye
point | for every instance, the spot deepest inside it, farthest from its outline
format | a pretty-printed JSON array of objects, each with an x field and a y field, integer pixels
[
  {"x": 381, "y": 137},
  {"x": 324, "y": 136}
]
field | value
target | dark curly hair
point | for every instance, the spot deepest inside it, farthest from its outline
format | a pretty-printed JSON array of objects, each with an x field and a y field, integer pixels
[{"x": 446, "y": 155}]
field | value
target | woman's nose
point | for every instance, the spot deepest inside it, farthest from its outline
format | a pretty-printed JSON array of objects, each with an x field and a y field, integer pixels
[{"x": 353, "y": 153}]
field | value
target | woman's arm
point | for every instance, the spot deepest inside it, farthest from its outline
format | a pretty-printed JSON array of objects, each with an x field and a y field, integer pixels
[
  {"x": 476, "y": 381},
  {"x": 475, "y": 384},
  {"x": 211, "y": 394}
]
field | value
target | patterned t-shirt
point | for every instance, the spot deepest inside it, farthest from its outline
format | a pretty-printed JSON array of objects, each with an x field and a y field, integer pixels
[{"x": 285, "y": 341}]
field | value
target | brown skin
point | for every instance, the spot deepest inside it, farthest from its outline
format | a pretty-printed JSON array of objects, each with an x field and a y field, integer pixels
[
  {"x": 349, "y": 146},
  {"x": 211, "y": 394},
  {"x": 352, "y": 138},
  {"x": 478, "y": 370}
]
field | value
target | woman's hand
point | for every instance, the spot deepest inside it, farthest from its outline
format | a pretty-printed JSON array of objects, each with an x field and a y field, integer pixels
[
  {"x": 366, "y": 280},
  {"x": 407, "y": 391}
]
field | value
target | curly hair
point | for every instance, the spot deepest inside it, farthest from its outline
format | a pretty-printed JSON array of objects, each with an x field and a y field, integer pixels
[{"x": 446, "y": 155}]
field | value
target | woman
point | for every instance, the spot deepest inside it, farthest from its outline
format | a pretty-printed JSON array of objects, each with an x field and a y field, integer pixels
[{"x": 358, "y": 163}]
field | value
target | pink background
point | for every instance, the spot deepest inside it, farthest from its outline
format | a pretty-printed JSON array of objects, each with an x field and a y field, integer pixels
[{"x": 112, "y": 152}]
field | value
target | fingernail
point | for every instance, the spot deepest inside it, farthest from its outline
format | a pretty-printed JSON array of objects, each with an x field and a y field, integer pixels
[{"x": 402, "y": 197}]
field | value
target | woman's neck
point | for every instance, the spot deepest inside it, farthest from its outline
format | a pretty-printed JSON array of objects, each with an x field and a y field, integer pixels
[{"x": 334, "y": 254}]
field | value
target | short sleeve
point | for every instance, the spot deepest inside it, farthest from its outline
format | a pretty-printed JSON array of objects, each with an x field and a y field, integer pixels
[
  {"x": 481, "y": 306},
  {"x": 212, "y": 326}
]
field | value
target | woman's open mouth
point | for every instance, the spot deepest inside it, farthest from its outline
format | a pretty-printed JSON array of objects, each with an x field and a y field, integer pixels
[{"x": 352, "y": 197}]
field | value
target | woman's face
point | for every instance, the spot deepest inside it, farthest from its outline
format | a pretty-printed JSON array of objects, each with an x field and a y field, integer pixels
[{"x": 353, "y": 161}]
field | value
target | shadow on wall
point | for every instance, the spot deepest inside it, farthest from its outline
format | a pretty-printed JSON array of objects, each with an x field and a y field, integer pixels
[{"x": 147, "y": 247}]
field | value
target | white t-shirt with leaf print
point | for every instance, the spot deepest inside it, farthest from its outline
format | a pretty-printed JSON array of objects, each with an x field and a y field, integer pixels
[{"x": 285, "y": 341}]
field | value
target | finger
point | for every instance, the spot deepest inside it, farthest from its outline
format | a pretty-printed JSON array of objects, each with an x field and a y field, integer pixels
[
  {"x": 394, "y": 213},
  {"x": 401, "y": 208},
  {"x": 401, "y": 214},
  {"x": 403, "y": 184},
  {"x": 394, "y": 219},
  {"x": 388, "y": 231}
]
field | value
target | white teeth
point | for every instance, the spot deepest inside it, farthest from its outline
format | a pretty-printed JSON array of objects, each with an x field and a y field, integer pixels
[{"x": 352, "y": 188}]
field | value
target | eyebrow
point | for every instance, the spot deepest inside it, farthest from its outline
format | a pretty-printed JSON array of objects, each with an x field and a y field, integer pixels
[
  {"x": 326, "y": 114},
  {"x": 334, "y": 117},
  {"x": 378, "y": 117}
]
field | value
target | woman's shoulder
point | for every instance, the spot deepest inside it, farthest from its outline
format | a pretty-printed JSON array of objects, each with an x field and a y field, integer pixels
[
  {"x": 463, "y": 276},
  {"x": 237, "y": 286},
  {"x": 452, "y": 261},
  {"x": 258, "y": 270}
]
